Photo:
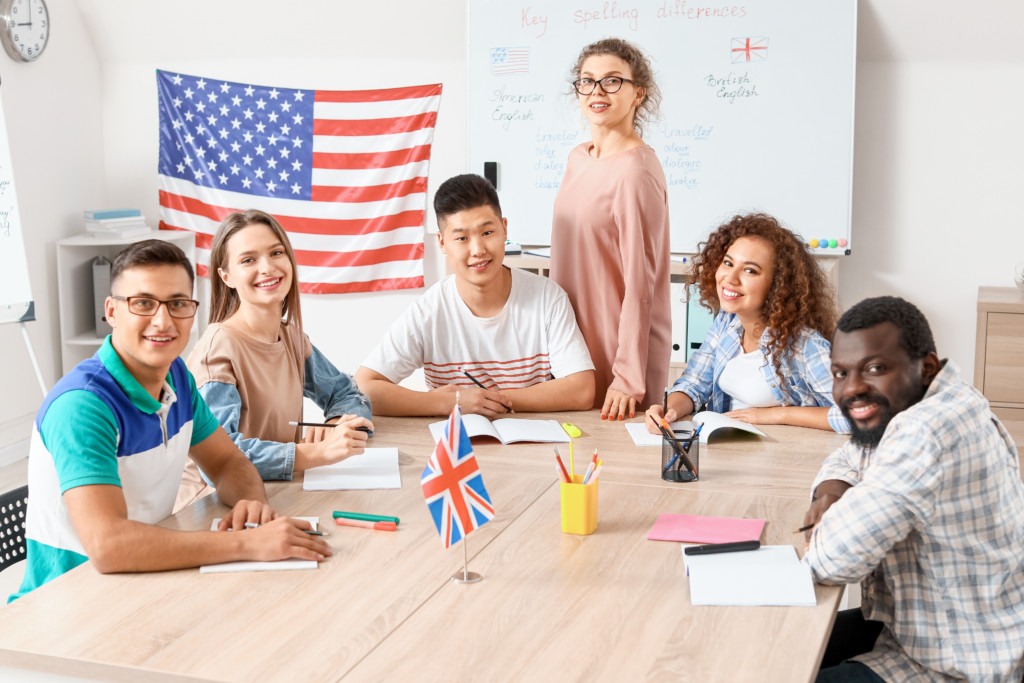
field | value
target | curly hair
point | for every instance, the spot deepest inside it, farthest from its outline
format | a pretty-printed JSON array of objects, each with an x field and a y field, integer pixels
[
  {"x": 915, "y": 332},
  {"x": 799, "y": 297},
  {"x": 643, "y": 76}
]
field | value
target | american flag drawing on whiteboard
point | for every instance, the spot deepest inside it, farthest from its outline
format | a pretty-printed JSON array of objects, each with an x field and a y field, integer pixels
[
  {"x": 453, "y": 486},
  {"x": 510, "y": 60},
  {"x": 345, "y": 172},
  {"x": 749, "y": 49}
]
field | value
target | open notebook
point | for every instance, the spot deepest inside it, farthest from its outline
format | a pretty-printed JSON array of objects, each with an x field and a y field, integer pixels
[
  {"x": 507, "y": 430},
  {"x": 712, "y": 423}
]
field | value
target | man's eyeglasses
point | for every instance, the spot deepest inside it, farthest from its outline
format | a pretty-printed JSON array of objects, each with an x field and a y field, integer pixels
[
  {"x": 147, "y": 307},
  {"x": 610, "y": 84}
]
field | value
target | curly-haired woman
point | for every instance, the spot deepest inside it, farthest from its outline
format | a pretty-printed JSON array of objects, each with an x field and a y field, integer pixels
[{"x": 766, "y": 357}]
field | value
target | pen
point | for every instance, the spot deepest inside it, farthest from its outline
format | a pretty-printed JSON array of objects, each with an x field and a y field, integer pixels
[
  {"x": 293, "y": 423},
  {"x": 311, "y": 532},
  {"x": 365, "y": 517},
  {"x": 804, "y": 528},
  {"x": 477, "y": 382},
  {"x": 736, "y": 547},
  {"x": 666, "y": 432},
  {"x": 664, "y": 403},
  {"x": 377, "y": 526}
]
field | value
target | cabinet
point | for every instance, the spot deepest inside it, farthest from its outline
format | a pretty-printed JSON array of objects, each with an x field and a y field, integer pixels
[
  {"x": 78, "y": 338},
  {"x": 999, "y": 351}
]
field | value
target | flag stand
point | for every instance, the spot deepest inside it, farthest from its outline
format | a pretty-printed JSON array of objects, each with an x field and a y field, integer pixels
[{"x": 465, "y": 576}]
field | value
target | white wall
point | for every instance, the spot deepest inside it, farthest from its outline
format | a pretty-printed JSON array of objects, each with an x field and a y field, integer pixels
[
  {"x": 53, "y": 109},
  {"x": 937, "y": 160},
  {"x": 937, "y": 148}
]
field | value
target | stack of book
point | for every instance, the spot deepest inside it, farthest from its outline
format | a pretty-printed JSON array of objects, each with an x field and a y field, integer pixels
[{"x": 117, "y": 223}]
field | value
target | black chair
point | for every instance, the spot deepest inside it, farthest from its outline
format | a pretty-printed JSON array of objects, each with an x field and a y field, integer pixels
[{"x": 13, "y": 506}]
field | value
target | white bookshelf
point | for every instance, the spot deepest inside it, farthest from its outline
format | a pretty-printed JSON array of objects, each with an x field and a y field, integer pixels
[{"x": 78, "y": 337}]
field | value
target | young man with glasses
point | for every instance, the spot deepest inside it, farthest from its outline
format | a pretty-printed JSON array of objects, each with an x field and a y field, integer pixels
[{"x": 111, "y": 438}]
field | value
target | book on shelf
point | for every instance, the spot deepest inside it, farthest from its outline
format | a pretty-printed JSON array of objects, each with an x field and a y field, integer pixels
[
  {"x": 111, "y": 223},
  {"x": 122, "y": 232},
  {"x": 103, "y": 214}
]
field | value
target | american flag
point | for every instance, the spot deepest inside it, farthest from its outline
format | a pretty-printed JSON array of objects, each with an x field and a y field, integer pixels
[
  {"x": 510, "y": 60},
  {"x": 345, "y": 172},
  {"x": 749, "y": 49},
  {"x": 453, "y": 486}
]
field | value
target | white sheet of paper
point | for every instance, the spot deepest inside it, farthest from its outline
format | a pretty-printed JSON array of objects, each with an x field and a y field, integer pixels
[
  {"x": 642, "y": 437},
  {"x": 771, "y": 575},
  {"x": 374, "y": 468},
  {"x": 246, "y": 566}
]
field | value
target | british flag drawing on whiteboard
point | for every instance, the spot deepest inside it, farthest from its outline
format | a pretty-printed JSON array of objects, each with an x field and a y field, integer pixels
[
  {"x": 754, "y": 49},
  {"x": 453, "y": 486},
  {"x": 510, "y": 60}
]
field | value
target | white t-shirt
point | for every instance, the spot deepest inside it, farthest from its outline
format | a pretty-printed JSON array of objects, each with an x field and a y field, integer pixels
[
  {"x": 742, "y": 379},
  {"x": 534, "y": 338}
]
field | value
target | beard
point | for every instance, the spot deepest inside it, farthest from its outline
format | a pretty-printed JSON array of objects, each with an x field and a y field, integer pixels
[{"x": 869, "y": 438}]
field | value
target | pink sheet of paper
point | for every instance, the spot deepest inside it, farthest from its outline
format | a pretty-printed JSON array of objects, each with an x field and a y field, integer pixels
[{"x": 700, "y": 529}]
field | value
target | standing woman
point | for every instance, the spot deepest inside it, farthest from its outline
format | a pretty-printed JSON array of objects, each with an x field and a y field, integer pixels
[
  {"x": 254, "y": 364},
  {"x": 610, "y": 232}
]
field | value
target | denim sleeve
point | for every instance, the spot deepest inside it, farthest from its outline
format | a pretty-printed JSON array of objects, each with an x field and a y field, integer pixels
[
  {"x": 334, "y": 391},
  {"x": 817, "y": 374},
  {"x": 274, "y": 460},
  {"x": 698, "y": 379}
]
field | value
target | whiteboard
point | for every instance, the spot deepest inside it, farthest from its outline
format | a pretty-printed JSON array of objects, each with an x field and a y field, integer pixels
[
  {"x": 15, "y": 294},
  {"x": 757, "y": 110}
]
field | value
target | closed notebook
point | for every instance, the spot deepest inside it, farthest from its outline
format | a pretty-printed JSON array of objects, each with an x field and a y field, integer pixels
[
  {"x": 374, "y": 468},
  {"x": 701, "y": 529},
  {"x": 256, "y": 566},
  {"x": 771, "y": 575}
]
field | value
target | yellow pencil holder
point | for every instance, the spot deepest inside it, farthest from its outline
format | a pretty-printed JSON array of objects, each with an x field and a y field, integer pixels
[{"x": 579, "y": 507}]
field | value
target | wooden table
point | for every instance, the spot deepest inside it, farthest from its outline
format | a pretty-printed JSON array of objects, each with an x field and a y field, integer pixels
[{"x": 611, "y": 606}]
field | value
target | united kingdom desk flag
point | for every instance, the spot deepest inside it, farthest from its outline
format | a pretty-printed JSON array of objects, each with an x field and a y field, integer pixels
[
  {"x": 453, "y": 486},
  {"x": 345, "y": 172}
]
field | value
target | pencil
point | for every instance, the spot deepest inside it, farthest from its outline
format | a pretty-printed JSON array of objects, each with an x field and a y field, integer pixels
[{"x": 508, "y": 409}]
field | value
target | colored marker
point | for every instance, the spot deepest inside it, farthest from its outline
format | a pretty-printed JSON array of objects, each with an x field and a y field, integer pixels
[
  {"x": 572, "y": 430},
  {"x": 561, "y": 465},
  {"x": 377, "y": 526},
  {"x": 365, "y": 517}
]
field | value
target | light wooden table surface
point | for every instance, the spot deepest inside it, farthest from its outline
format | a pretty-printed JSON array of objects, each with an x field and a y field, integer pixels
[{"x": 610, "y": 606}]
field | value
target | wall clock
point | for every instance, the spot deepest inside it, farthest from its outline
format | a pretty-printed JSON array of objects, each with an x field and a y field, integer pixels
[{"x": 26, "y": 28}]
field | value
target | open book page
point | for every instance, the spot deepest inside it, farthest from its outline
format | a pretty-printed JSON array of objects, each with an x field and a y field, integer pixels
[
  {"x": 714, "y": 421},
  {"x": 511, "y": 430},
  {"x": 374, "y": 468},
  {"x": 476, "y": 425},
  {"x": 247, "y": 566},
  {"x": 770, "y": 575},
  {"x": 507, "y": 430}
]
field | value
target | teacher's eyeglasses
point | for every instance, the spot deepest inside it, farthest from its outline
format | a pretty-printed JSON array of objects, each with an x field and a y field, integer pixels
[
  {"x": 610, "y": 84},
  {"x": 147, "y": 307}
]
